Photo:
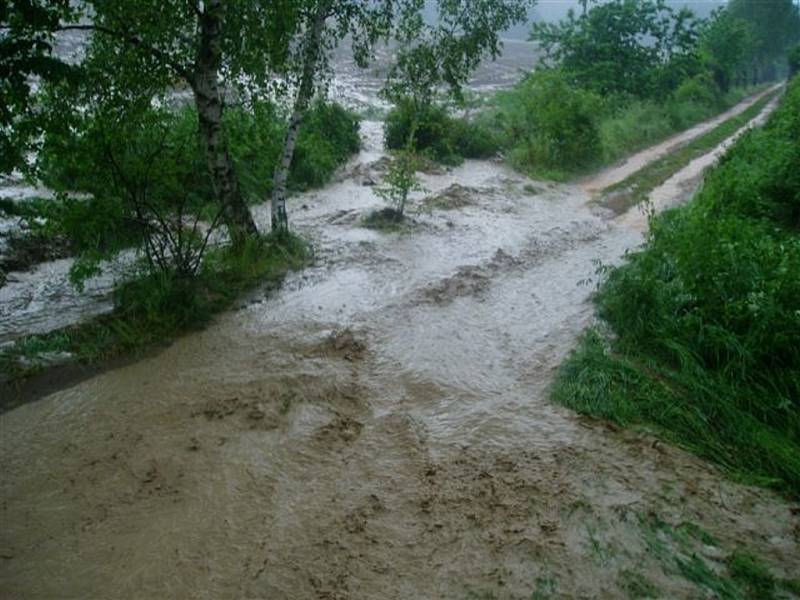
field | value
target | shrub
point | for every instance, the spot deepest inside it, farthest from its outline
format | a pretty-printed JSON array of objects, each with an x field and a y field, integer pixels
[
  {"x": 445, "y": 139},
  {"x": 760, "y": 177},
  {"x": 329, "y": 137},
  {"x": 700, "y": 89},
  {"x": 255, "y": 137},
  {"x": 548, "y": 122},
  {"x": 474, "y": 138},
  {"x": 793, "y": 59}
]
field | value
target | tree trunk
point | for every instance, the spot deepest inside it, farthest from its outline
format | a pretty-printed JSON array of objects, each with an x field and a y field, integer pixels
[
  {"x": 280, "y": 221},
  {"x": 210, "y": 105}
]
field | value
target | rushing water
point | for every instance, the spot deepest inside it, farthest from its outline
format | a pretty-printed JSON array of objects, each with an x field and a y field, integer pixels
[
  {"x": 377, "y": 428},
  {"x": 42, "y": 299}
]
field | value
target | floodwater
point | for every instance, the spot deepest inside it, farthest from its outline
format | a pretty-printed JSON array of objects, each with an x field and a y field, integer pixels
[
  {"x": 42, "y": 299},
  {"x": 376, "y": 428}
]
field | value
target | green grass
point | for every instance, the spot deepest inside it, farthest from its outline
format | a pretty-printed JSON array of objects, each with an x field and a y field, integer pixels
[
  {"x": 636, "y": 188},
  {"x": 156, "y": 308},
  {"x": 687, "y": 407},
  {"x": 645, "y": 122},
  {"x": 637, "y": 585},
  {"x": 701, "y": 325},
  {"x": 749, "y": 572}
]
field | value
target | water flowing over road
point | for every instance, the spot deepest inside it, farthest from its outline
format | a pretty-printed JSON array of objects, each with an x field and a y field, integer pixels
[{"x": 376, "y": 428}]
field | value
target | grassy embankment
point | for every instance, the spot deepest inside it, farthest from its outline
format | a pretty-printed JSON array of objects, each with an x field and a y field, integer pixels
[{"x": 700, "y": 331}]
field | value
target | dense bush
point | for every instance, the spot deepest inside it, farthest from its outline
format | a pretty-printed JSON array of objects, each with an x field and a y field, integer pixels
[
  {"x": 144, "y": 180},
  {"x": 706, "y": 317},
  {"x": 700, "y": 89},
  {"x": 548, "y": 122},
  {"x": 84, "y": 163},
  {"x": 444, "y": 138},
  {"x": 793, "y": 59},
  {"x": 329, "y": 136},
  {"x": 760, "y": 177}
]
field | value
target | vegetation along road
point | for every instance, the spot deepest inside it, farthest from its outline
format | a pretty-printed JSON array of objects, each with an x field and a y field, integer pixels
[{"x": 257, "y": 345}]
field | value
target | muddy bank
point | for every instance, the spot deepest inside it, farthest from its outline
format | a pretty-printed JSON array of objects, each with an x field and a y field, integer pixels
[{"x": 378, "y": 428}]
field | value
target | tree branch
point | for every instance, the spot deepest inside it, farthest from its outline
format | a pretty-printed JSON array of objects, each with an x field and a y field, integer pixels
[{"x": 133, "y": 40}]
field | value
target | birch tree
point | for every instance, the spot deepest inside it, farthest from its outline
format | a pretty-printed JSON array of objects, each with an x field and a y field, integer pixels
[
  {"x": 428, "y": 54},
  {"x": 211, "y": 46},
  {"x": 322, "y": 25}
]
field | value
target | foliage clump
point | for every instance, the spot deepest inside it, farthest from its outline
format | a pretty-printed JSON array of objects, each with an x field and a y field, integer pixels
[
  {"x": 440, "y": 136},
  {"x": 549, "y": 122},
  {"x": 142, "y": 180}
]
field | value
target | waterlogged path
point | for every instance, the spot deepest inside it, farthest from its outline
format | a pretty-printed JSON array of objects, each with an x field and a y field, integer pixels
[
  {"x": 377, "y": 428},
  {"x": 619, "y": 172}
]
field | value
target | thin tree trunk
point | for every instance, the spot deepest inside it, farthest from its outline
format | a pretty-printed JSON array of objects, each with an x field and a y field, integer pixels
[
  {"x": 210, "y": 105},
  {"x": 311, "y": 52}
]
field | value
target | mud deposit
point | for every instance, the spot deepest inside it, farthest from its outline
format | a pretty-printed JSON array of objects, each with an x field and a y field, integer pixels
[{"x": 378, "y": 428}]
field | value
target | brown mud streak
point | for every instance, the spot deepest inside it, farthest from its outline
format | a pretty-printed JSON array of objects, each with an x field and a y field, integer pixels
[{"x": 349, "y": 437}]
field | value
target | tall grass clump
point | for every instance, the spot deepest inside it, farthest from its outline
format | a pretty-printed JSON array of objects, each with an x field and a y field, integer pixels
[
  {"x": 703, "y": 323},
  {"x": 549, "y": 124}
]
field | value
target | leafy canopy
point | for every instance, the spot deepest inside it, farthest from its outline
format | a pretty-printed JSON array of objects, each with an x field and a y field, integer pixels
[{"x": 631, "y": 47}]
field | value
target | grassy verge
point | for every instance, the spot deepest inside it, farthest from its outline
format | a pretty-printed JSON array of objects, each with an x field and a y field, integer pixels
[
  {"x": 157, "y": 308},
  {"x": 701, "y": 325},
  {"x": 548, "y": 127},
  {"x": 636, "y": 188}
]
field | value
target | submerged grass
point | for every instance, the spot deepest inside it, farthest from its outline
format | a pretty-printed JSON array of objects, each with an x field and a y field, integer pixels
[
  {"x": 636, "y": 188},
  {"x": 735, "y": 575},
  {"x": 158, "y": 307},
  {"x": 697, "y": 410}
]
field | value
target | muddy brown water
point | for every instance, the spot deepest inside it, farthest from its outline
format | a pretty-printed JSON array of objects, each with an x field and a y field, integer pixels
[{"x": 377, "y": 428}]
